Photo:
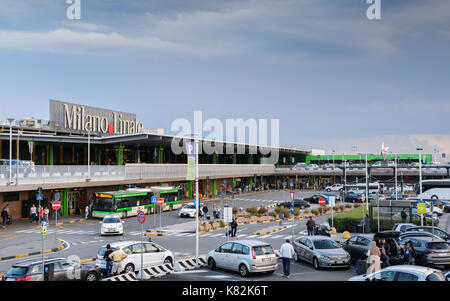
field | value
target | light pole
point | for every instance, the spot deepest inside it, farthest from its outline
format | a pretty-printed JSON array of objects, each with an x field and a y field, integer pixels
[
  {"x": 18, "y": 158},
  {"x": 419, "y": 149},
  {"x": 334, "y": 179},
  {"x": 11, "y": 120},
  {"x": 89, "y": 155}
]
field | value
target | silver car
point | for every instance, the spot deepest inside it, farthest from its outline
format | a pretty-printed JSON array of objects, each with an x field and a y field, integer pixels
[
  {"x": 245, "y": 256},
  {"x": 321, "y": 251}
]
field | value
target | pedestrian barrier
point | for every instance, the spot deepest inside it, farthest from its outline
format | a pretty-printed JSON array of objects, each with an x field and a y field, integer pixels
[
  {"x": 150, "y": 272},
  {"x": 189, "y": 263}
]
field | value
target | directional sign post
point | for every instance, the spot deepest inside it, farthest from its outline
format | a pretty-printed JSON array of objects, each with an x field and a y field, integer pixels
[
  {"x": 421, "y": 209},
  {"x": 292, "y": 194},
  {"x": 332, "y": 202},
  {"x": 43, "y": 233},
  {"x": 161, "y": 204},
  {"x": 322, "y": 203},
  {"x": 141, "y": 220},
  {"x": 154, "y": 201}
]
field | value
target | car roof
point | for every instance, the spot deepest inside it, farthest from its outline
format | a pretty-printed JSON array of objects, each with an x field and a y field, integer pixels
[
  {"x": 318, "y": 237},
  {"x": 410, "y": 268},
  {"x": 251, "y": 242},
  {"x": 426, "y": 238},
  {"x": 108, "y": 216},
  {"x": 27, "y": 263},
  {"x": 425, "y": 227},
  {"x": 122, "y": 243}
]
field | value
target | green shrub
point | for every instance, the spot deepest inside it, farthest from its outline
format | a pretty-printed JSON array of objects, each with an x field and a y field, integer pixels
[
  {"x": 277, "y": 210},
  {"x": 315, "y": 211},
  {"x": 306, "y": 211},
  {"x": 273, "y": 213},
  {"x": 235, "y": 210},
  {"x": 262, "y": 210},
  {"x": 222, "y": 224},
  {"x": 357, "y": 205},
  {"x": 252, "y": 210},
  {"x": 259, "y": 215},
  {"x": 286, "y": 212},
  {"x": 296, "y": 212},
  {"x": 348, "y": 206},
  {"x": 348, "y": 220}
]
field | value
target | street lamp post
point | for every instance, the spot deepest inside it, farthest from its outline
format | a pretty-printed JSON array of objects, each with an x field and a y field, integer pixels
[
  {"x": 18, "y": 157},
  {"x": 420, "y": 181},
  {"x": 11, "y": 120}
]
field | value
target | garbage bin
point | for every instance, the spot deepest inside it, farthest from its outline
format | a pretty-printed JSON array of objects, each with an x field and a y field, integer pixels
[{"x": 359, "y": 227}]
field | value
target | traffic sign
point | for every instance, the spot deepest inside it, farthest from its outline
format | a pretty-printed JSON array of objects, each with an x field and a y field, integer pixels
[
  {"x": 421, "y": 208},
  {"x": 39, "y": 197},
  {"x": 56, "y": 205},
  {"x": 332, "y": 200},
  {"x": 292, "y": 208},
  {"x": 141, "y": 217},
  {"x": 44, "y": 228},
  {"x": 160, "y": 201},
  {"x": 292, "y": 193},
  {"x": 154, "y": 199},
  {"x": 291, "y": 184},
  {"x": 322, "y": 202}
]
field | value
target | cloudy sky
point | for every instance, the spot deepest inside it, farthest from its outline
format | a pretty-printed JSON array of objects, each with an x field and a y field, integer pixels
[{"x": 333, "y": 78}]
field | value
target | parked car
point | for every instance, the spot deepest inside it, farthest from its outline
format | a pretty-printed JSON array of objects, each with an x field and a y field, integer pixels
[
  {"x": 111, "y": 225},
  {"x": 153, "y": 255},
  {"x": 430, "y": 251},
  {"x": 437, "y": 231},
  {"x": 59, "y": 269},
  {"x": 298, "y": 203},
  {"x": 447, "y": 207},
  {"x": 402, "y": 227},
  {"x": 189, "y": 210},
  {"x": 416, "y": 234},
  {"x": 447, "y": 276},
  {"x": 245, "y": 256},
  {"x": 400, "y": 196},
  {"x": 353, "y": 197},
  {"x": 320, "y": 251},
  {"x": 358, "y": 246},
  {"x": 315, "y": 198},
  {"x": 300, "y": 165},
  {"x": 402, "y": 273},
  {"x": 335, "y": 187}
]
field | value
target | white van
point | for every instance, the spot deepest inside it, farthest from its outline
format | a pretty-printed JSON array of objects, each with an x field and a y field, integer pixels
[{"x": 335, "y": 187}]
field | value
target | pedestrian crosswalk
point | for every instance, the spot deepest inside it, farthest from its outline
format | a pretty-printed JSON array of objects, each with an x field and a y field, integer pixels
[
  {"x": 52, "y": 231},
  {"x": 258, "y": 200}
]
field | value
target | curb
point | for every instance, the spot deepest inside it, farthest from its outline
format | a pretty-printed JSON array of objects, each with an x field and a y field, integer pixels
[
  {"x": 57, "y": 249},
  {"x": 212, "y": 230},
  {"x": 156, "y": 234},
  {"x": 269, "y": 232},
  {"x": 87, "y": 260}
]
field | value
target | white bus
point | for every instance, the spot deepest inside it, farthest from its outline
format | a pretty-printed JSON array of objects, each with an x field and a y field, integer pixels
[
  {"x": 434, "y": 189},
  {"x": 361, "y": 187}
]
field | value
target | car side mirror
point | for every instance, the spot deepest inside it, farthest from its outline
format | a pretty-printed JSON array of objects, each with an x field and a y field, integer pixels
[{"x": 122, "y": 222}]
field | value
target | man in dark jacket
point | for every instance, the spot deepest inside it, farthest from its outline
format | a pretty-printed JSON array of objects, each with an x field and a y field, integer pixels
[
  {"x": 108, "y": 260},
  {"x": 403, "y": 214},
  {"x": 205, "y": 212},
  {"x": 310, "y": 224},
  {"x": 233, "y": 228},
  {"x": 385, "y": 251}
]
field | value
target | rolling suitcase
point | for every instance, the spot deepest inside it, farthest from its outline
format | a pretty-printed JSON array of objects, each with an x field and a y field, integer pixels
[{"x": 361, "y": 266}]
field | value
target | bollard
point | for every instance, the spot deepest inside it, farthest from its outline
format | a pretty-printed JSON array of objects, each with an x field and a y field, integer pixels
[{"x": 346, "y": 235}]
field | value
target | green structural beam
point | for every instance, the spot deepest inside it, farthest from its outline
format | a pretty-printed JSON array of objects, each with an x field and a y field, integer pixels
[
  {"x": 65, "y": 202},
  {"x": 214, "y": 187},
  {"x": 190, "y": 192}
]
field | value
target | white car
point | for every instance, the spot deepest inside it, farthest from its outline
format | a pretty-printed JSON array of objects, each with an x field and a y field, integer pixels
[
  {"x": 335, "y": 187},
  {"x": 111, "y": 225},
  {"x": 188, "y": 210},
  {"x": 402, "y": 273},
  {"x": 153, "y": 255}
]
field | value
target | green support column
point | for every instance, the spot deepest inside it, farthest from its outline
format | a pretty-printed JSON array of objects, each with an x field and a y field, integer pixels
[
  {"x": 250, "y": 159},
  {"x": 119, "y": 187},
  {"x": 51, "y": 155},
  {"x": 250, "y": 182},
  {"x": 214, "y": 187},
  {"x": 120, "y": 148},
  {"x": 190, "y": 194},
  {"x": 234, "y": 158},
  {"x": 214, "y": 158},
  {"x": 65, "y": 202},
  {"x": 234, "y": 183},
  {"x": 160, "y": 155}
]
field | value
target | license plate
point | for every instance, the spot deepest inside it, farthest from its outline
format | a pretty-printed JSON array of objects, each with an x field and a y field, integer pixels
[{"x": 266, "y": 259}]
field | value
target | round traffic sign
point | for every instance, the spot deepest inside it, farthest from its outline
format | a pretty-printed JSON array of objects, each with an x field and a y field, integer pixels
[
  {"x": 160, "y": 201},
  {"x": 56, "y": 205},
  {"x": 322, "y": 202},
  {"x": 141, "y": 217}
]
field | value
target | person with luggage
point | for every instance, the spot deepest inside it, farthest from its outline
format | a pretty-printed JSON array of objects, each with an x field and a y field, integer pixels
[
  {"x": 234, "y": 226},
  {"x": 46, "y": 212},
  {"x": 214, "y": 211},
  {"x": 310, "y": 224},
  {"x": 5, "y": 215}
]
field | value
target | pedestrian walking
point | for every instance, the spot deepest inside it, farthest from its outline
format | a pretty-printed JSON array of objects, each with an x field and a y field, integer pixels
[
  {"x": 310, "y": 224},
  {"x": 46, "y": 211},
  {"x": 205, "y": 212},
  {"x": 33, "y": 213},
  {"x": 86, "y": 212},
  {"x": 234, "y": 226},
  {"x": 117, "y": 257},
  {"x": 287, "y": 252},
  {"x": 109, "y": 262},
  {"x": 214, "y": 211},
  {"x": 403, "y": 215},
  {"x": 385, "y": 251},
  {"x": 374, "y": 257},
  {"x": 424, "y": 220},
  {"x": 406, "y": 252},
  {"x": 41, "y": 214},
  {"x": 5, "y": 214}
]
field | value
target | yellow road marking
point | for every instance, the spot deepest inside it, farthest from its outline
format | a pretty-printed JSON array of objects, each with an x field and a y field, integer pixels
[{"x": 9, "y": 238}]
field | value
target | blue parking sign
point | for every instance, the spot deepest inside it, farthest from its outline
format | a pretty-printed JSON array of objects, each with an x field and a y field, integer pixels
[
  {"x": 39, "y": 197},
  {"x": 154, "y": 199},
  {"x": 292, "y": 208},
  {"x": 292, "y": 184}
]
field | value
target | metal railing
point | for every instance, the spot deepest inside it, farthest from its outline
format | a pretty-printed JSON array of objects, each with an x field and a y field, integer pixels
[{"x": 54, "y": 174}]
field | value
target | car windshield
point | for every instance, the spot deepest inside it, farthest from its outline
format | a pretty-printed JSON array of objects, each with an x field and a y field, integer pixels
[
  {"x": 17, "y": 271},
  {"x": 263, "y": 250},
  {"x": 438, "y": 246},
  {"x": 111, "y": 220},
  {"x": 436, "y": 276},
  {"x": 190, "y": 206},
  {"x": 102, "y": 251},
  {"x": 326, "y": 244}
]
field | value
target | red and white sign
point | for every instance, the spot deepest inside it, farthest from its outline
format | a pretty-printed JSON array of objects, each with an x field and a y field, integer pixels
[
  {"x": 292, "y": 195},
  {"x": 56, "y": 205},
  {"x": 160, "y": 201},
  {"x": 322, "y": 202},
  {"x": 141, "y": 217},
  {"x": 195, "y": 194}
]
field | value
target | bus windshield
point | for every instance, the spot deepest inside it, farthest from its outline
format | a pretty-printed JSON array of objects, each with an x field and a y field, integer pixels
[{"x": 104, "y": 204}]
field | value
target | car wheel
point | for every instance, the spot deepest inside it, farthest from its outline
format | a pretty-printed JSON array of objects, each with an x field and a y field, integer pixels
[
  {"x": 211, "y": 264},
  {"x": 168, "y": 260},
  {"x": 328, "y": 190},
  {"x": 316, "y": 263},
  {"x": 434, "y": 197},
  {"x": 92, "y": 276},
  {"x": 243, "y": 270},
  {"x": 129, "y": 268}
]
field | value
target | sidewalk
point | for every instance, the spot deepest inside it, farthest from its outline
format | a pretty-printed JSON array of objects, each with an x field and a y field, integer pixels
[
  {"x": 23, "y": 224},
  {"x": 31, "y": 247}
]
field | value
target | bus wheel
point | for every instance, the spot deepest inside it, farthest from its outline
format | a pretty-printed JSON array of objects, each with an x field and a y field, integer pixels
[{"x": 434, "y": 197}]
